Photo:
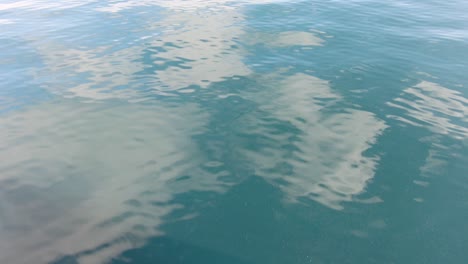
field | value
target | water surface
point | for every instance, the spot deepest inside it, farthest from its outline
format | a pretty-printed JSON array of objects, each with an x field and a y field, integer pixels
[{"x": 233, "y": 131}]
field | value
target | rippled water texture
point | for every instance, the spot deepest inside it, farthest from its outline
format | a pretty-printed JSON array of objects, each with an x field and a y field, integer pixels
[{"x": 172, "y": 131}]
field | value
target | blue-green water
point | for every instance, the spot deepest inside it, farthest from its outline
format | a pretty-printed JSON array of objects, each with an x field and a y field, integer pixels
[{"x": 233, "y": 131}]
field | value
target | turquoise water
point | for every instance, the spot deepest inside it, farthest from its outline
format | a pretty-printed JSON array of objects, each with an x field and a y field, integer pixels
[{"x": 233, "y": 131}]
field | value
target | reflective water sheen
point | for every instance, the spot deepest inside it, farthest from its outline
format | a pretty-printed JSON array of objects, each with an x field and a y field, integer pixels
[{"x": 171, "y": 131}]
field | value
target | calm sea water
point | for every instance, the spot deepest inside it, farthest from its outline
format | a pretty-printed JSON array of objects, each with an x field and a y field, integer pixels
[{"x": 287, "y": 132}]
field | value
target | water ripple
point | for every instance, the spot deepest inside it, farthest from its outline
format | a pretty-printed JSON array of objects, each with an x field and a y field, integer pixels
[
  {"x": 433, "y": 106},
  {"x": 76, "y": 176},
  {"x": 324, "y": 160},
  {"x": 125, "y": 122}
]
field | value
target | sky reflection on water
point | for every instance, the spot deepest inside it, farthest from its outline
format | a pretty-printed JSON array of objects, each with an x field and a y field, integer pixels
[{"x": 125, "y": 121}]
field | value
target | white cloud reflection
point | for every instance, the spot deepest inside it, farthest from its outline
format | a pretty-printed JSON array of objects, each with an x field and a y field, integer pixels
[
  {"x": 205, "y": 46},
  {"x": 191, "y": 43},
  {"x": 35, "y": 5},
  {"x": 181, "y": 5},
  {"x": 284, "y": 39},
  {"x": 111, "y": 171},
  {"x": 101, "y": 74},
  {"x": 196, "y": 43},
  {"x": 77, "y": 176},
  {"x": 6, "y": 21},
  {"x": 194, "y": 48},
  {"x": 442, "y": 111},
  {"x": 325, "y": 161},
  {"x": 427, "y": 104}
]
